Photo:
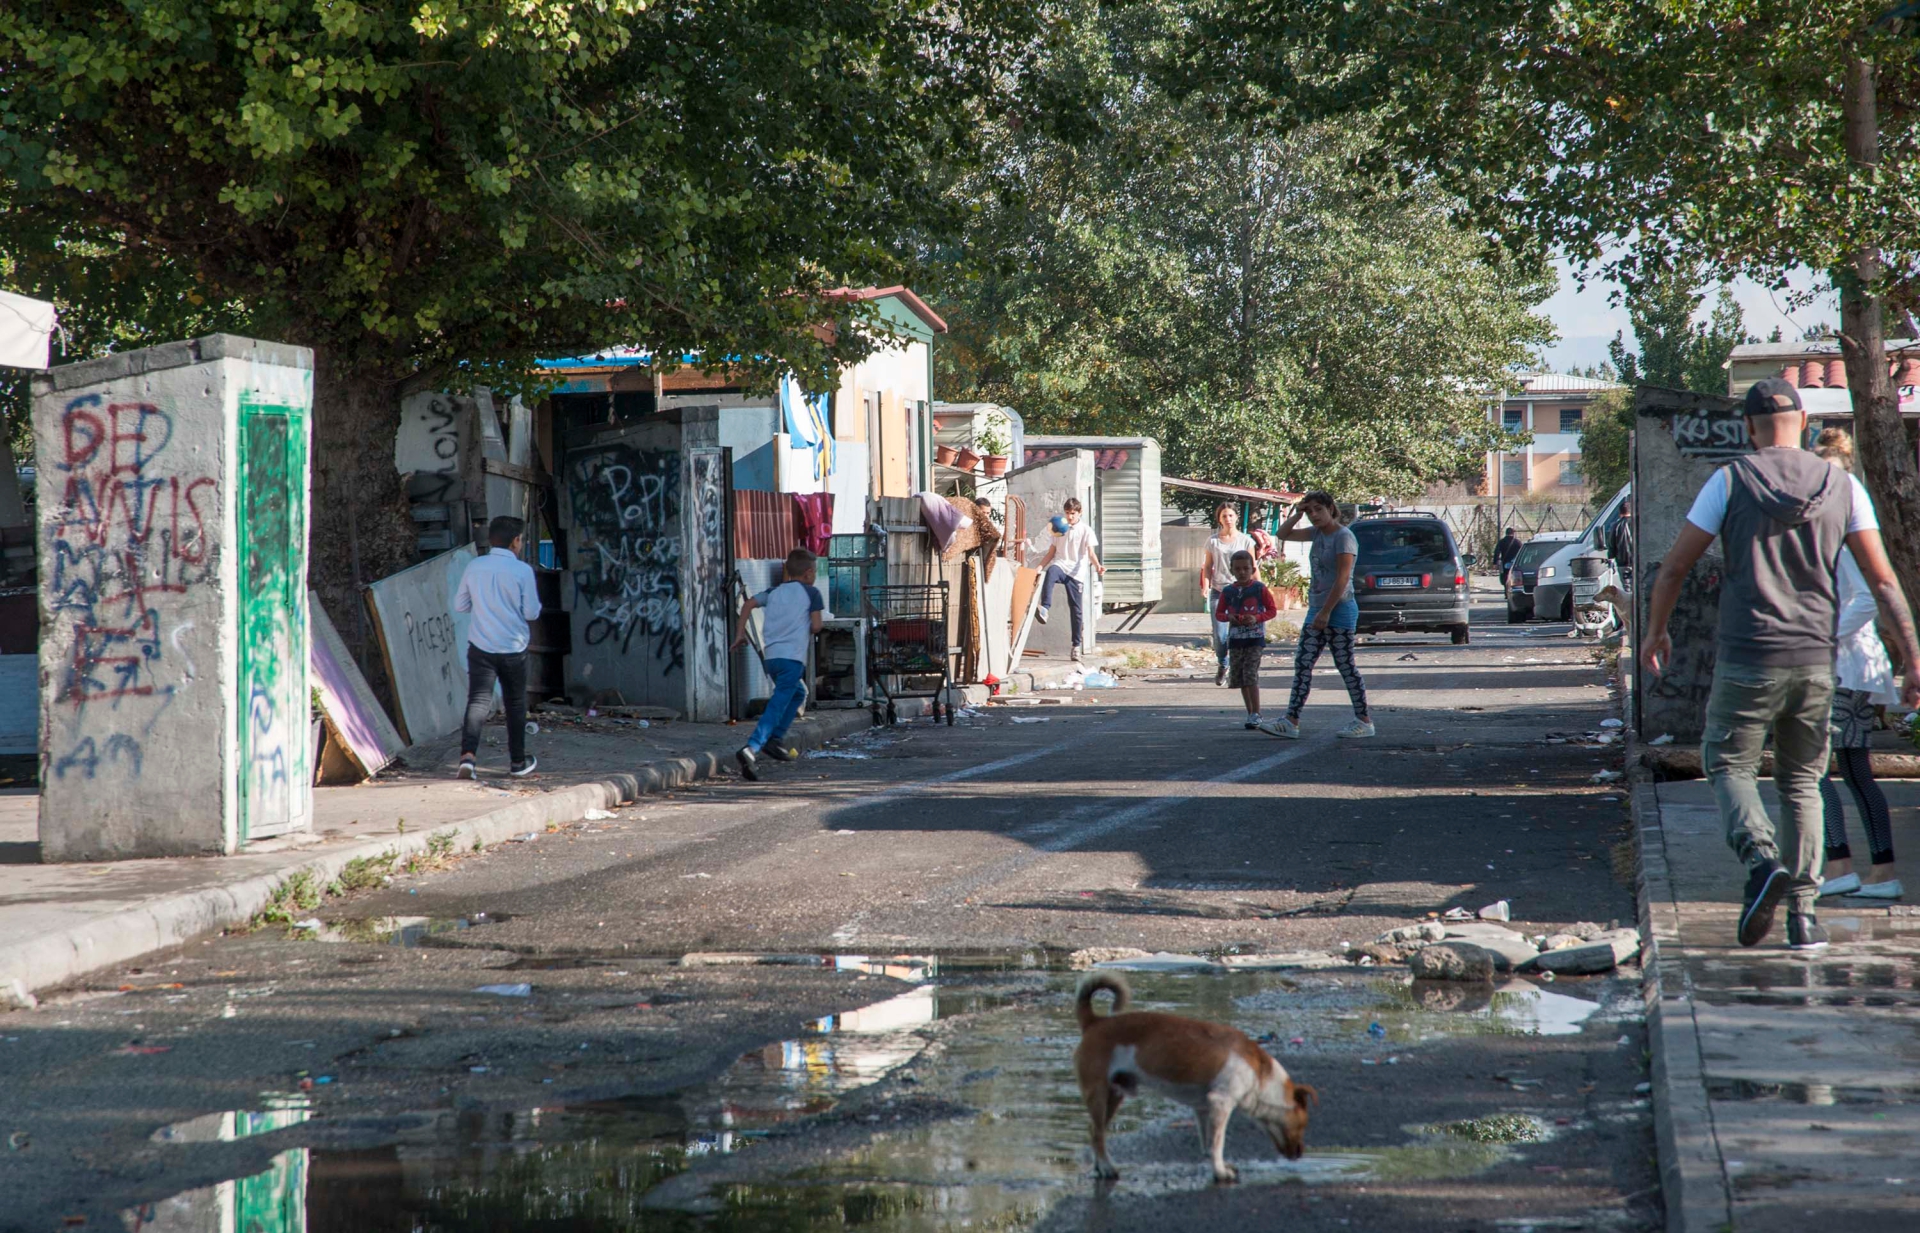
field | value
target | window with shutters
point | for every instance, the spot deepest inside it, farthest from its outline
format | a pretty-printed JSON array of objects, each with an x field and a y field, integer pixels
[
  {"x": 1513, "y": 472},
  {"x": 1570, "y": 471}
]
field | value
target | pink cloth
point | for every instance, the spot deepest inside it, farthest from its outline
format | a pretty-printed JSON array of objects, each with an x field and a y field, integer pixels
[
  {"x": 1266, "y": 546},
  {"x": 813, "y": 511},
  {"x": 941, "y": 518}
]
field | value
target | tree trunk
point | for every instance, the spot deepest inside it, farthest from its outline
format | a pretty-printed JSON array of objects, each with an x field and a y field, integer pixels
[
  {"x": 1885, "y": 455},
  {"x": 362, "y": 528}
]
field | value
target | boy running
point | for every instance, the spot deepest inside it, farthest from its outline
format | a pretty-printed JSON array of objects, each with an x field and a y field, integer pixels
[
  {"x": 1333, "y": 613},
  {"x": 1245, "y": 607},
  {"x": 793, "y": 616}
]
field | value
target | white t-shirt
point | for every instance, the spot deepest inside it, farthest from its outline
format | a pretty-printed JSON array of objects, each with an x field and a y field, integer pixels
[
  {"x": 1073, "y": 549},
  {"x": 1710, "y": 507},
  {"x": 1220, "y": 556}
]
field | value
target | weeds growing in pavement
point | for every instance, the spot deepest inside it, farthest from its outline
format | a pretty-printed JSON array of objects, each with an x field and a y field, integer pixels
[
  {"x": 365, "y": 872},
  {"x": 1494, "y": 1128},
  {"x": 299, "y": 893}
]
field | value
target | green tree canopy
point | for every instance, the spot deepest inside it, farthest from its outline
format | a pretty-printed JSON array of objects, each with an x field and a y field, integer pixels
[
  {"x": 1753, "y": 134},
  {"x": 1231, "y": 286},
  {"x": 1676, "y": 350},
  {"x": 433, "y": 191}
]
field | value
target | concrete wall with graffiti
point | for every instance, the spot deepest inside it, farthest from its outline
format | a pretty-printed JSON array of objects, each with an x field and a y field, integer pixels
[{"x": 173, "y": 482}]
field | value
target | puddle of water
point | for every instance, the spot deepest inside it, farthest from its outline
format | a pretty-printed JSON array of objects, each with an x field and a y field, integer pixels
[
  {"x": 591, "y": 1168},
  {"x": 1806, "y": 1093}
]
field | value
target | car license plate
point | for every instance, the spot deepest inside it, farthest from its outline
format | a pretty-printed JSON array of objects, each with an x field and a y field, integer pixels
[{"x": 1413, "y": 581}]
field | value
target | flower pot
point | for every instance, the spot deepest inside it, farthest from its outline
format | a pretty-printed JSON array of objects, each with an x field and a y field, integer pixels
[
  {"x": 939, "y": 424},
  {"x": 993, "y": 466},
  {"x": 945, "y": 454},
  {"x": 966, "y": 460}
]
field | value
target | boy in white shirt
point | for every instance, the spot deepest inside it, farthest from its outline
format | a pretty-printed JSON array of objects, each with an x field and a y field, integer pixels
[
  {"x": 793, "y": 617},
  {"x": 498, "y": 589},
  {"x": 1073, "y": 545}
]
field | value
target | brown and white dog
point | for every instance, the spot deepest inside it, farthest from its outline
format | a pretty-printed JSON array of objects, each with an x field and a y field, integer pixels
[{"x": 1209, "y": 1067}]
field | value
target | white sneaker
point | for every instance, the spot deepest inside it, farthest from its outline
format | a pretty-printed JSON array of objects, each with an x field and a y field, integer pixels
[
  {"x": 1889, "y": 889},
  {"x": 1253, "y": 723},
  {"x": 1357, "y": 728},
  {"x": 1845, "y": 884},
  {"x": 1040, "y": 615},
  {"x": 1078, "y": 658},
  {"x": 1282, "y": 727},
  {"x": 467, "y": 770}
]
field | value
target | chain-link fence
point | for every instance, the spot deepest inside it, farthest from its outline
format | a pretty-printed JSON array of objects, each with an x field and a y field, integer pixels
[{"x": 1477, "y": 528}]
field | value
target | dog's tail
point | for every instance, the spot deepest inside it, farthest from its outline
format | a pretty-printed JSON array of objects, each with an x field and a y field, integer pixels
[{"x": 1094, "y": 982}]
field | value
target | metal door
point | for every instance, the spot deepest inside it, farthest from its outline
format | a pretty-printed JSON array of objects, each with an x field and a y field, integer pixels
[{"x": 275, "y": 733}]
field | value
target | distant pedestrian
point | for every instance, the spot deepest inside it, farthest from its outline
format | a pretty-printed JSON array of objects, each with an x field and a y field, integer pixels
[
  {"x": 1333, "y": 614},
  {"x": 1504, "y": 552},
  {"x": 1065, "y": 565},
  {"x": 499, "y": 590},
  {"x": 1620, "y": 542},
  {"x": 1216, "y": 574},
  {"x": 793, "y": 617},
  {"x": 1245, "y": 606},
  {"x": 1863, "y": 682},
  {"x": 1782, "y": 516}
]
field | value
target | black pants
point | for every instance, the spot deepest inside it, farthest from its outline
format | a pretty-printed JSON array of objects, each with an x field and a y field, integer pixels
[{"x": 511, "y": 670}]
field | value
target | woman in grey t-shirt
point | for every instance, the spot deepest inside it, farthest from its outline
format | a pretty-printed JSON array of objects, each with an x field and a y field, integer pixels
[{"x": 1333, "y": 614}]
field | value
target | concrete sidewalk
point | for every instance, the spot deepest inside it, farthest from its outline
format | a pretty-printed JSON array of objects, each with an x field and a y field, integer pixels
[
  {"x": 1787, "y": 1085},
  {"x": 59, "y": 922}
]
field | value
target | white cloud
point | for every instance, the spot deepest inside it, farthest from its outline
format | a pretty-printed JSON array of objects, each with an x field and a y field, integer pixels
[{"x": 1588, "y": 316}]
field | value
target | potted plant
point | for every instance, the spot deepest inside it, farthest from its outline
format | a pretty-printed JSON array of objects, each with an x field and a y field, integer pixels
[
  {"x": 945, "y": 454},
  {"x": 993, "y": 441},
  {"x": 966, "y": 459},
  {"x": 1286, "y": 580}
]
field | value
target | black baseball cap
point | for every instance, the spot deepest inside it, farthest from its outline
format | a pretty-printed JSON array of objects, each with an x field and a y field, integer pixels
[{"x": 1772, "y": 396}]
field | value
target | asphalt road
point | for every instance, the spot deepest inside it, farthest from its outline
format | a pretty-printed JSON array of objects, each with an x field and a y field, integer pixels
[{"x": 359, "y": 1082}]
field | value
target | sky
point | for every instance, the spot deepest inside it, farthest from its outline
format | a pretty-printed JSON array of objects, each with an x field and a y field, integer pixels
[{"x": 1587, "y": 320}]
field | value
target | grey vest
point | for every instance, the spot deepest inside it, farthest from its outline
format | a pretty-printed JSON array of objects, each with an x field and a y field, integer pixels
[{"x": 1787, "y": 515}]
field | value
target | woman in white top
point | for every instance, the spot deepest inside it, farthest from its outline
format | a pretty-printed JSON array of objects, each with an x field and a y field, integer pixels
[
  {"x": 1216, "y": 574},
  {"x": 1863, "y": 681}
]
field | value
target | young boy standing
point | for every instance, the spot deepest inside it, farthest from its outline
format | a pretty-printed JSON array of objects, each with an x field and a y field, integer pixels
[
  {"x": 793, "y": 617},
  {"x": 1245, "y": 607},
  {"x": 1070, "y": 548},
  {"x": 498, "y": 589}
]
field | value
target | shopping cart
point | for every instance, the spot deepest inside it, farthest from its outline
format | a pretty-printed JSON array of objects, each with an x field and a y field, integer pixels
[{"x": 907, "y": 646}]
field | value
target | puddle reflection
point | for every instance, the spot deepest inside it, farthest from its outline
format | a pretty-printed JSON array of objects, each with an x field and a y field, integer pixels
[{"x": 594, "y": 1168}]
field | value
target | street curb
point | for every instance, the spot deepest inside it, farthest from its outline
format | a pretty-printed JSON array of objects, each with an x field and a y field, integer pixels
[
  {"x": 56, "y": 958},
  {"x": 1693, "y": 1179}
]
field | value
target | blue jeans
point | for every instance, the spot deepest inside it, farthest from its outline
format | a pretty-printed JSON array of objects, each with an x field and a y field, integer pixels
[
  {"x": 1345, "y": 615},
  {"x": 1072, "y": 586},
  {"x": 789, "y": 691},
  {"x": 1220, "y": 631}
]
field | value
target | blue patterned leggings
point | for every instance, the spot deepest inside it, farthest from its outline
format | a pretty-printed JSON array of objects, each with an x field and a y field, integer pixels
[{"x": 1312, "y": 642}]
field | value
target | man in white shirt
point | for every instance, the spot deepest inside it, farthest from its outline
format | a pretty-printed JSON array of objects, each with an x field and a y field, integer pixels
[
  {"x": 498, "y": 589},
  {"x": 1071, "y": 547}
]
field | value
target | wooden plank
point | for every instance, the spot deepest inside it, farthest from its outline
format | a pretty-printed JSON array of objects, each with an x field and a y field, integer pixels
[
  {"x": 425, "y": 643},
  {"x": 513, "y": 471},
  {"x": 354, "y": 717}
]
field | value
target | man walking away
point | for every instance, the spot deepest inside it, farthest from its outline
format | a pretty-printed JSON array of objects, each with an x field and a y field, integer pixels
[
  {"x": 1072, "y": 545},
  {"x": 1333, "y": 614},
  {"x": 1504, "y": 552},
  {"x": 498, "y": 589},
  {"x": 1782, "y": 516},
  {"x": 793, "y": 617},
  {"x": 1216, "y": 574}
]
